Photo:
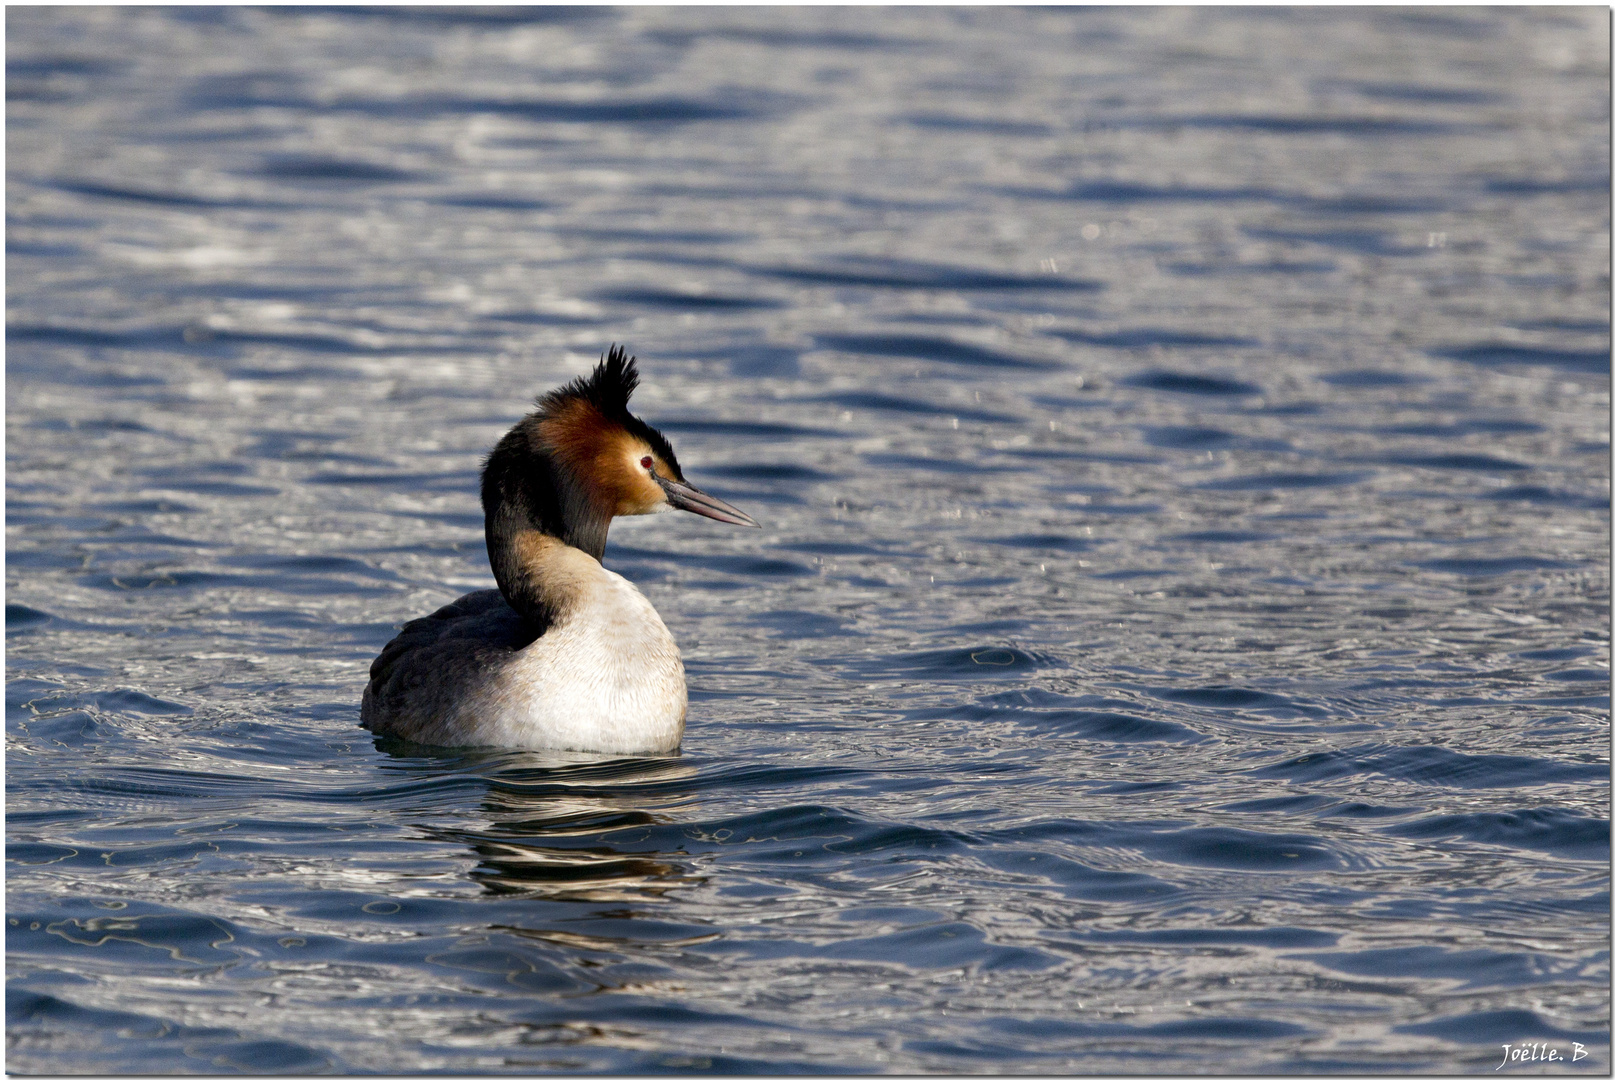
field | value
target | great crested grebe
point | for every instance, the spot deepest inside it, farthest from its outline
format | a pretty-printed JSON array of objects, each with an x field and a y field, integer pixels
[{"x": 565, "y": 654}]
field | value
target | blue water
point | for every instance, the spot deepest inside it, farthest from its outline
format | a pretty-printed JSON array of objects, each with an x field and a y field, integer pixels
[{"x": 1179, "y": 636}]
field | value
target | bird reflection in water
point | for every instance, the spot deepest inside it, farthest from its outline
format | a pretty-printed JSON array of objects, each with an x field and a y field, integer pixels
[{"x": 585, "y": 830}]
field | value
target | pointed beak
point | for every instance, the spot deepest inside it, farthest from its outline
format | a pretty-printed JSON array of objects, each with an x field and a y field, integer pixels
[{"x": 685, "y": 497}]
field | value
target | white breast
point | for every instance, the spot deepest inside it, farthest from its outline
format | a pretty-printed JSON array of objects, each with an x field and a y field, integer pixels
[{"x": 606, "y": 678}]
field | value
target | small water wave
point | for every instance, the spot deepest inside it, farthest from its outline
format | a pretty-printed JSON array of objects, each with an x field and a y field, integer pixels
[
  {"x": 901, "y": 274},
  {"x": 1469, "y": 968},
  {"x": 158, "y": 1039},
  {"x": 1493, "y": 1026},
  {"x": 1432, "y": 765},
  {"x": 1559, "y": 832},
  {"x": 979, "y": 662}
]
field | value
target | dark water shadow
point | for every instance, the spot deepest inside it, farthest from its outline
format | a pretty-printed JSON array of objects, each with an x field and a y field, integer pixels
[
  {"x": 479, "y": 17},
  {"x": 675, "y": 300},
  {"x": 1506, "y": 354},
  {"x": 904, "y": 274},
  {"x": 924, "y": 347},
  {"x": 1175, "y": 382}
]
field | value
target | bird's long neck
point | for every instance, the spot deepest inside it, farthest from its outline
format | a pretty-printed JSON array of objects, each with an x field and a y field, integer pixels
[{"x": 531, "y": 503}]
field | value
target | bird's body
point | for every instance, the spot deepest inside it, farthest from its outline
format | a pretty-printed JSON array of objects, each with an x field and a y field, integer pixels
[
  {"x": 605, "y": 677},
  {"x": 565, "y": 654}
]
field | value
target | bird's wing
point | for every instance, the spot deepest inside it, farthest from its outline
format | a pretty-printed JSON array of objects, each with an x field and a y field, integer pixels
[{"x": 427, "y": 666}]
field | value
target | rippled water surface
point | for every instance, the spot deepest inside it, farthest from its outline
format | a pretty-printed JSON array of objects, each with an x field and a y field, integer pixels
[{"x": 1178, "y": 640}]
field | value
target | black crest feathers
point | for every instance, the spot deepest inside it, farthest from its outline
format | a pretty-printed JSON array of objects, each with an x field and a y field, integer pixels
[{"x": 608, "y": 388}]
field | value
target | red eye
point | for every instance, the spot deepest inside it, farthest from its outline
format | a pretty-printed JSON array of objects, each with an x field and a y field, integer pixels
[{"x": 644, "y": 462}]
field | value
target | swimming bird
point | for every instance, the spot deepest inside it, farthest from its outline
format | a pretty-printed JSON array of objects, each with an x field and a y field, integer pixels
[{"x": 565, "y": 654}]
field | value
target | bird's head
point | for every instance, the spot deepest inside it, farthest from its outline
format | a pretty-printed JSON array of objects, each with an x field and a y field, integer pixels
[
  {"x": 581, "y": 458},
  {"x": 626, "y": 466}
]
